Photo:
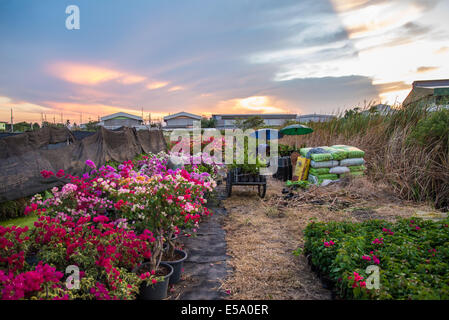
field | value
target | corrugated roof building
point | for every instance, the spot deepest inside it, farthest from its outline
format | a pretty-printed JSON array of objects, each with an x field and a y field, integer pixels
[
  {"x": 314, "y": 118},
  {"x": 122, "y": 119},
  {"x": 180, "y": 120},
  {"x": 433, "y": 93}
]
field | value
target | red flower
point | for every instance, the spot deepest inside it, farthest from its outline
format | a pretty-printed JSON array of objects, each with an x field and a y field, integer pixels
[
  {"x": 46, "y": 174},
  {"x": 60, "y": 173}
]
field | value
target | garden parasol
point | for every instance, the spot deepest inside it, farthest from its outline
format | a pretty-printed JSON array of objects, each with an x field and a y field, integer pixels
[
  {"x": 270, "y": 134},
  {"x": 296, "y": 130}
]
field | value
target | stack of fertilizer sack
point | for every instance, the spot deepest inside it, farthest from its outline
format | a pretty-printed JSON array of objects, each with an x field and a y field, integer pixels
[{"x": 329, "y": 164}]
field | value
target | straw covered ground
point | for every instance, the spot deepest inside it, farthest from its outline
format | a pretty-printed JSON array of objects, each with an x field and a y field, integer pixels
[{"x": 263, "y": 233}]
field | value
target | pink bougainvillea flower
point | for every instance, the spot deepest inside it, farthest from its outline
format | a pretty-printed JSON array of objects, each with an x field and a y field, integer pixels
[
  {"x": 367, "y": 258},
  {"x": 47, "y": 174},
  {"x": 60, "y": 173},
  {"x": 378, "y": 241},
  {"x": 328, "y": 244},
  {"x": 91, "y": 164}
]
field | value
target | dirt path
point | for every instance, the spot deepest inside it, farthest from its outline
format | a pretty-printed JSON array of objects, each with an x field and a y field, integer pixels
[{"x": 262, "y": 234}]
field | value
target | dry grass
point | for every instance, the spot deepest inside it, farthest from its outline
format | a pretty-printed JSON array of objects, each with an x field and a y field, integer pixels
[
  {"x": 413, "y": 172},
  {"x": 261, "y": 234}
]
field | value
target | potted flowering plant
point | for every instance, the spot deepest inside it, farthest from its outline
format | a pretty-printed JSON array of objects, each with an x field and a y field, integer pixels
[
  {"x": 105, "y": 254},
  {"x": 101, "y": 223},
  {"x": 167, "y": 202}
]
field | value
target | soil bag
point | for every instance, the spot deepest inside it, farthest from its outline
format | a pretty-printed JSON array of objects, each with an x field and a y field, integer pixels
[
  {"x": 323, "y": 164},
  {"x": 352, "y": 162},
  {"x": 339, "y": 170}
]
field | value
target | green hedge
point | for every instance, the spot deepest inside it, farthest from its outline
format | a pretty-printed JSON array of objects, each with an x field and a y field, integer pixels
[
  {"x": 412, "y": 256},
  {"x": 12, "y": 209}
]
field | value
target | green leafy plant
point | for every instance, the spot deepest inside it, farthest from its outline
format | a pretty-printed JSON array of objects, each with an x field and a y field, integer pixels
[
  {"x": 431, "y": 130},
  {"x": 412, "y": 256}
]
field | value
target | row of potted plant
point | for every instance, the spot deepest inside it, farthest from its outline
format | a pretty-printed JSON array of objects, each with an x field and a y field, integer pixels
[
  {"x": 116, "y": 224},
  {"x": 411, "y": 256}
]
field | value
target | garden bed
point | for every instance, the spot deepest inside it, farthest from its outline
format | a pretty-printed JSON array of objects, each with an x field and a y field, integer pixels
[
  {"x": 412, "y": 256},
  {"x": 105, "y": 224},
  {"x": 263, "y": 234}
]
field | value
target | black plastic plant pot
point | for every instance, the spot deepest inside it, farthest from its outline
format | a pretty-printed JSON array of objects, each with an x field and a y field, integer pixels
[
  {"x": 156, "y": 291},
  {"x": 177, "y": 266},
  {"x": 32, "y": 259}
]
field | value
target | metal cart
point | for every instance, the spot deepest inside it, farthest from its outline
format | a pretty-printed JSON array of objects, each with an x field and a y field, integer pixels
[{"x": 236, "y": 178}]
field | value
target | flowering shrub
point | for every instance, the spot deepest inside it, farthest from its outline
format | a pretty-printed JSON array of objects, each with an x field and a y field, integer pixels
[
  {"x": 104, "y": 252},
  {"x": 42, "y": 283},
  {"x": 106, "y": 222},
  {"x": 164, "y": 203},
  {"x": 201, "y": 163},
  {"x": 206, "y": 143},
  {"x": 13, "y": 244},
  {"x": 412, "y": 256}
]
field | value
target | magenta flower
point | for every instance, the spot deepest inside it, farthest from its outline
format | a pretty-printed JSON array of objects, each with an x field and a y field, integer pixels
[
  {"x": 90, "y": 164},
  {"x": 328, "y": 244},
  {"x": 367, "y": 258}
]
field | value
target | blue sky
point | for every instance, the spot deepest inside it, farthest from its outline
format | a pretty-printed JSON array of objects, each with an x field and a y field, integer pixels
[{"x": 230, "y": 56}]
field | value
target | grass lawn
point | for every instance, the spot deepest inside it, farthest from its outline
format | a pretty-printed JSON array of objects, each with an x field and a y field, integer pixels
[{"x": 20, "y": 222}]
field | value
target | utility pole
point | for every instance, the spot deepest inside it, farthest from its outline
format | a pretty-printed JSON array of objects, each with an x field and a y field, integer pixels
[
  {"x": 143, "y": 119},
  {"x": 12, "y": 123}
]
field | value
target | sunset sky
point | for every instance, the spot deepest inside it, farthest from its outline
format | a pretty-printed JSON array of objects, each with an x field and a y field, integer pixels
[{"x": 223, "y": 56}]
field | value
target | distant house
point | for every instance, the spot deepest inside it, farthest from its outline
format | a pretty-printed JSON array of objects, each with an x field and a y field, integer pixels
[
  {"x": 382, "y": 109},
  {"x": 433, "y": 93},
  {"x": 314, "y": 118},
  {"x": 2, "y": 126},
  {"x": 180, "y": 120},
  {"x": 122, "y": 119},
  {"x": 227, "y": 121}
]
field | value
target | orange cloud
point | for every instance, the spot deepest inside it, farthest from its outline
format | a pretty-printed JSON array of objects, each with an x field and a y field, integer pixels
[
  {"x": 91, "y": 75},
  {"x": 254, "y": 104},
  {"x": 362, "y": 19},
  {"x": 424, "y": 69},
  {"x": 156, "y": 85},
  {"x": 347, "y": 5},
  {"x": 95, "y": 109},
  {"x": 22, "y": 110}
]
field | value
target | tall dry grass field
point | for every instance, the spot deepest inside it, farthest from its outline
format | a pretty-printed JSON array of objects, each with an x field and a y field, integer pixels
[{"x": 407, "y": 148}]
